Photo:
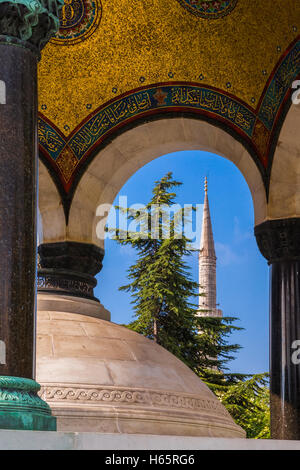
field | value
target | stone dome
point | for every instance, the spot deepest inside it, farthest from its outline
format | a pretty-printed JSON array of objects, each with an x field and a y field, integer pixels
[{"x": 99, "y": 376}]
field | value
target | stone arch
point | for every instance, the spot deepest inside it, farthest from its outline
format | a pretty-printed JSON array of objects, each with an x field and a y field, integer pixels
[
  {"x": 284, "y": 197},
  {"x": 51, "y": 213},
  {"x": 128, "y": 152}
]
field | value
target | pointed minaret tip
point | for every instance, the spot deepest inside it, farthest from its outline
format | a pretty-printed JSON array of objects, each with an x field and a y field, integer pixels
[
  {"x": 207, "y": 247},
  {"x": 205, "y": 184}
]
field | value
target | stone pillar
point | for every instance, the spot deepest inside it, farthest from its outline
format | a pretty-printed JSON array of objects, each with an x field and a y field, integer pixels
[
  {"x": 279, "y": 242},
  {"x": 25, "y": 27}
]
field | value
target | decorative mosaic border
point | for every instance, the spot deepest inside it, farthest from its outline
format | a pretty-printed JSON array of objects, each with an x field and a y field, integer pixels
[
  {"x": 66, "y": 154},
  {"x": 96, "y": 395},
  {"x": 279, "y": 85},
  {"x": 209, "y": 9},
  {"x": 255, "y": 128}
]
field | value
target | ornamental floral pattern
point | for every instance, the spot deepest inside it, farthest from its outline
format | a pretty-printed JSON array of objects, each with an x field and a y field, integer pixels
[
  {"x": 209, "y": 9},
  {"x": 78, "y": 21}
]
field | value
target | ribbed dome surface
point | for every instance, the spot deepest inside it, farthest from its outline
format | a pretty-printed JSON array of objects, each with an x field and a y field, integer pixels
[{"x": 99, "y": 376}]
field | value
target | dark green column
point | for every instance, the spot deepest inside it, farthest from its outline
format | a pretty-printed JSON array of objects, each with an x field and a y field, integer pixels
[
  {"x": 279, "y": 242},
  {"x": 25, "y": 28}
]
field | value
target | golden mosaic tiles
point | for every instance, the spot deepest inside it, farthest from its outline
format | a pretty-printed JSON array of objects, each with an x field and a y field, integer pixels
[
  {"x": 67, "y": 163},
  {"x": 141, "y": 42}
]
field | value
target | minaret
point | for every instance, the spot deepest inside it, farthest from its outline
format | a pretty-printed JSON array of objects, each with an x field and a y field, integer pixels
[{"x": 207, "y": 265}]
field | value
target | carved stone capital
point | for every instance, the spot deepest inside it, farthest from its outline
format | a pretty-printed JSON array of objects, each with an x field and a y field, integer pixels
[
  {"x": 29, "y": 22},
  {"x": 279, "y": 240},
  {"x": 68, "y": 268}
]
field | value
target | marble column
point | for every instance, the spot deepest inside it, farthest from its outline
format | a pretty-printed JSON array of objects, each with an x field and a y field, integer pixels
[
  {"x": 25, "y": 27},
  {"x": 279, "y": 242}
]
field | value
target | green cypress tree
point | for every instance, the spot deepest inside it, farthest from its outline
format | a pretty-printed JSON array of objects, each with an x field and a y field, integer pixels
[
  {"x": 163, "y": 291},
  {"x": 247, "y": 400},
  {"x": 164, "y": 301}
]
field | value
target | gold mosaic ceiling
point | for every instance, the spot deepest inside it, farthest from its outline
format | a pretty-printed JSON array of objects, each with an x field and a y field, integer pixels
[{"x": 133, "y": 43}]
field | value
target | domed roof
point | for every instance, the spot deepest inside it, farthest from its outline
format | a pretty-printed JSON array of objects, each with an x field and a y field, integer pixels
[{"x": 99, "y": 376}]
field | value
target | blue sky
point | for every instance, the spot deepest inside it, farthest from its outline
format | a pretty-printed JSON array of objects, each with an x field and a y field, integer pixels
[{"x": 242, "y": 272}]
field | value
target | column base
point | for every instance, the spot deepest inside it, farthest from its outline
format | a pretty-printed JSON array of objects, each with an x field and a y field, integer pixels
[
  {"x": 21, "y": 408},
  {"x": 26, "y": 421}
]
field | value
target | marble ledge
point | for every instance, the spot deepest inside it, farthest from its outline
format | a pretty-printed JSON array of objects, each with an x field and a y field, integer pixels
[{"x": 43, "y": 440}]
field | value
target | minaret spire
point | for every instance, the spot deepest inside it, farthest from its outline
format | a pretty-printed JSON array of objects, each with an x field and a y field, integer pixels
[
  {"x": 207, "y": 245},
  {"x": 207, "y": 264}
]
